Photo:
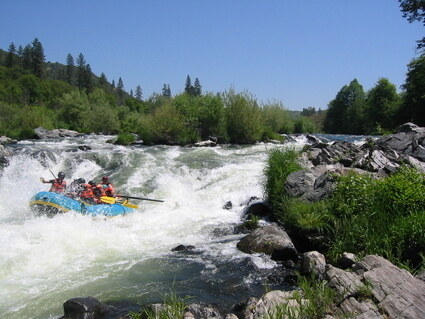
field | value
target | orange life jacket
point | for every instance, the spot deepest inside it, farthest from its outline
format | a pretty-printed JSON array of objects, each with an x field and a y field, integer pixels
[
  {"x": 87, "y": 191},
  {"x": 107, "y": 190},
  {"x": 58, "y": 186}
]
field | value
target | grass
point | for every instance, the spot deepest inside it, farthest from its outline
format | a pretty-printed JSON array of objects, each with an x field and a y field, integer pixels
[
  {"x": 172, "y": 307},
  {"x": 313, "y": 300}
]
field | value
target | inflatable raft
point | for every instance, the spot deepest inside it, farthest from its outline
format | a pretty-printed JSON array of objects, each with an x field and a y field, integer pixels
[{"x": 50, "y": 204}]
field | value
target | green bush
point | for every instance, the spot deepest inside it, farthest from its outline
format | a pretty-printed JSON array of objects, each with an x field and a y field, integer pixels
[
  {"x": 279, "y": 165},
  {"x": 125, "y": 138}
]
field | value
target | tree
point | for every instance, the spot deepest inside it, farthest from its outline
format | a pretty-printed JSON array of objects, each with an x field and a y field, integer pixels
[
  {"x": 345, "y": 112},
  {"x": 69, "y": 71},
  {"x": 308, "y": 111},
  {"x": 11, "y": 56},
  {"x": 413, "y": 107},
  {"x": 188, "y": 86},
  {"x": 120, "y": 91},
  {"x": 37, "y": 58},
  {"x": 382, "y": 104},
  {"x": 414, "y": 10},
  {"x": 81, "y": 70},
  {"x": 88, "y": 82},
  {"x": 166, "y": 91},
  {"x": 138, "y": 94},
  {"x": 26, "y": 57},
  {"x": 197, "y": 89}
]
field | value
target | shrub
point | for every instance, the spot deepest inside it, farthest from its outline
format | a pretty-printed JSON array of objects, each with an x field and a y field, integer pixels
[
  {"x": 125, "y": 138},
  {"x": 280, "y": 164}
]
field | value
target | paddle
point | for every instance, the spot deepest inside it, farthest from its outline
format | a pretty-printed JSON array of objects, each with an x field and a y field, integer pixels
[
  {"x": 141, "y": 198},
  {"x": 112, "y": 200}
]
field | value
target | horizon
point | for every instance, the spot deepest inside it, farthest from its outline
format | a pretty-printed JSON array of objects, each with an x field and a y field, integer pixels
[{"x": 300, "y": 54}]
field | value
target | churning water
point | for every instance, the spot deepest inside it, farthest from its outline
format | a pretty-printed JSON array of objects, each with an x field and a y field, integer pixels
[{"x": 128, "y": 259}]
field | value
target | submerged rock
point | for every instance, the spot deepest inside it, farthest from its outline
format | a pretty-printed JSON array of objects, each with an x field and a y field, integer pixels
[{"x": 56, "y": 133}]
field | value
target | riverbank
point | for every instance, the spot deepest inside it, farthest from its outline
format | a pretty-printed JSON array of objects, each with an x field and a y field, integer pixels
[{"x": 359, "y": 287}]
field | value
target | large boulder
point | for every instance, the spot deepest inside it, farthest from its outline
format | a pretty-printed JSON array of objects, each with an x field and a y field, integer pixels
[
  {"x": 84, "y": 308},
  {"x": 57, "y": 133},
  {"x": 271, "y": 240}
]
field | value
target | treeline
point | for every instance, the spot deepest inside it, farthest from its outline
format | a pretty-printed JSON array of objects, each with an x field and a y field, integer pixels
[
  {"x": 53, "y": 95},
  {"x": 382, "y": 108}
]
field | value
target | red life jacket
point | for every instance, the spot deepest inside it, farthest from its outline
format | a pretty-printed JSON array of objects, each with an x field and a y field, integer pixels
[
  {"x": 107, "y": 190},
  {"x": 58, "y": 186}
]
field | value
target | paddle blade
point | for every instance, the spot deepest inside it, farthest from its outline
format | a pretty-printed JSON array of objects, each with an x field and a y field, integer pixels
[
  {"x": 108, "y": 200},
  {"x": 130, "y": 205}
]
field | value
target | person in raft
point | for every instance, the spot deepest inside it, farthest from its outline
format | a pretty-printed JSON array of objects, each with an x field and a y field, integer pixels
[
  {"x": 97, "y": 191},
  {"x": 58, "y": 184},
  {"x": 106, "y": 187},
  {"x": 87, "y": 194}
]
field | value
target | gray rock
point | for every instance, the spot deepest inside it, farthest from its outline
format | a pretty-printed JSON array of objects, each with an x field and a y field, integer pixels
[
  {"x": 353, "y": 308},
  {"x": 347, "y": 260},
  {"x": 271, "y": 240},
  {"x": 204, "y": 311},
  {"x": 344, "y": 282},
  {"x": 313, "y": 262},
  {"x": 399, "y": 294},
  {"x": 57, "y": 133},
  {"x": 84, "y": 308},
  {"x": 4, "y": 140}
]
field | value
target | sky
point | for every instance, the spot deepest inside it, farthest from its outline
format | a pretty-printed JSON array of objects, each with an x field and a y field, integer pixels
[{"x": 297, "y": 52}]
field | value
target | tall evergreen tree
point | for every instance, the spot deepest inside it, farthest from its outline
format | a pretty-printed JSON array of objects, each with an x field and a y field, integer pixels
[
  {"x": 37, "y": 58},
  {"x": 88, "y": 82},
  {"x": 120, "y": 91},
  {"x": 27, "y": 57},
  {"x": 166, "y": 91},
  {"x": 197, "y": 89},
  {"x": 413, "y": 108},
  {"x": 69, "y": 71},
  {"x": 138, "y": 94},
  {"x": 20, "y": 53},
  {"x": 81, "y": 71},
  {"x": 103, "y": 81},
  {"x": 188, "y": 88},
  {"x": 11, "y": 56}
]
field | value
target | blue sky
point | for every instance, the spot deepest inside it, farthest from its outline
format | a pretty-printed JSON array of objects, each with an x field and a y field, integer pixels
[{"x": 298, "y": 52}]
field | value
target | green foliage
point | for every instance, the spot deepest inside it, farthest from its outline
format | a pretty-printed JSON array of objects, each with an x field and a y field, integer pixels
[
  {"x": 173, "y": 307},
  {"x": 125, "y": 138},
  {"x": 413, "y": 108},
  {"x": 345, "y": 112},
  {"x": 306, "y": 216},
  {"x": 277, "y": 119},
  {"x": 244, "y": 119},
  {"x": 304, "y": 125},
  {"x": 279, "y": 165}
]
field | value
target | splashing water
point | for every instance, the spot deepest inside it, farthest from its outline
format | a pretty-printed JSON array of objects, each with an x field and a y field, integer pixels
[{"x": 45, "y": 261}]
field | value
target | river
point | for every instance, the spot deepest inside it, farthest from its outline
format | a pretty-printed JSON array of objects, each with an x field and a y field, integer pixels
[{"x": 127, "y": 260}]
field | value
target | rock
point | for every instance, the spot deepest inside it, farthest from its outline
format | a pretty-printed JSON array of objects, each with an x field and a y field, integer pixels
[
  {"x": 347, "y": 260},
  {"x": 4, "y": 140},
  {"x": 183, "y": 248},
  {"x": 4, "y": 154},
  {"x": 398, "y": 293},
  {"x": 231, "y": 316},
  {"x": 84, "y": 308},
  {"x": 270, "y": 240},
  {"x": 207, "y": 143},
  {"x": 261, "y": 209},
  {"x": 410, "y": 127},
  {"x": 344, "y": 282},
  {"x": 421, "y": 275},
  {"x": 57, "y": 133},
  {"x": 228, "y": 205},
  {"x": 204, "y": 311},
  {"x": 353, "y": 308},
  {"x": 313, "y": 263}
]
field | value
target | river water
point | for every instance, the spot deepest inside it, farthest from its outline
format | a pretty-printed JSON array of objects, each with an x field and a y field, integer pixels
[{"x": 127, "y": 260}]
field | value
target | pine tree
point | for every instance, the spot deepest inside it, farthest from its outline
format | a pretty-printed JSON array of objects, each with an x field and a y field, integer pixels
[
  {"x": 37, "y": 58},
  {"x": 103, "y": 81},
  {"x": 197, "y": 89},
  {"x": 69, "y": 71},
  {"x": 188, "y": 87},
  {"x": 11, "y": 56},
  {"x": 88, "y": 82},
  {"x": 81, "y": 71},
  {"x": 166, "y": 91},
  {"x": 20, "y": 53},
  {"x": 26, "y": 57},
  {"x": 120, "y": 91},
  {"x": 138, "y": 94}
]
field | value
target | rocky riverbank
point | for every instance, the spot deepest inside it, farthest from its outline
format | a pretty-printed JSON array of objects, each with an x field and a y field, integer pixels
[{"x": 370, "y": 287}]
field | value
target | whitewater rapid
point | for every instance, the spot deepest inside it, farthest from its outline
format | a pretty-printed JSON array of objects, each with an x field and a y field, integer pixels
[{"x": 45, "y": 261}]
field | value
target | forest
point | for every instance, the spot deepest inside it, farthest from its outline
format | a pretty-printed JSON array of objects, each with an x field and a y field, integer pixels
[{"x": 36, "y": 93}]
